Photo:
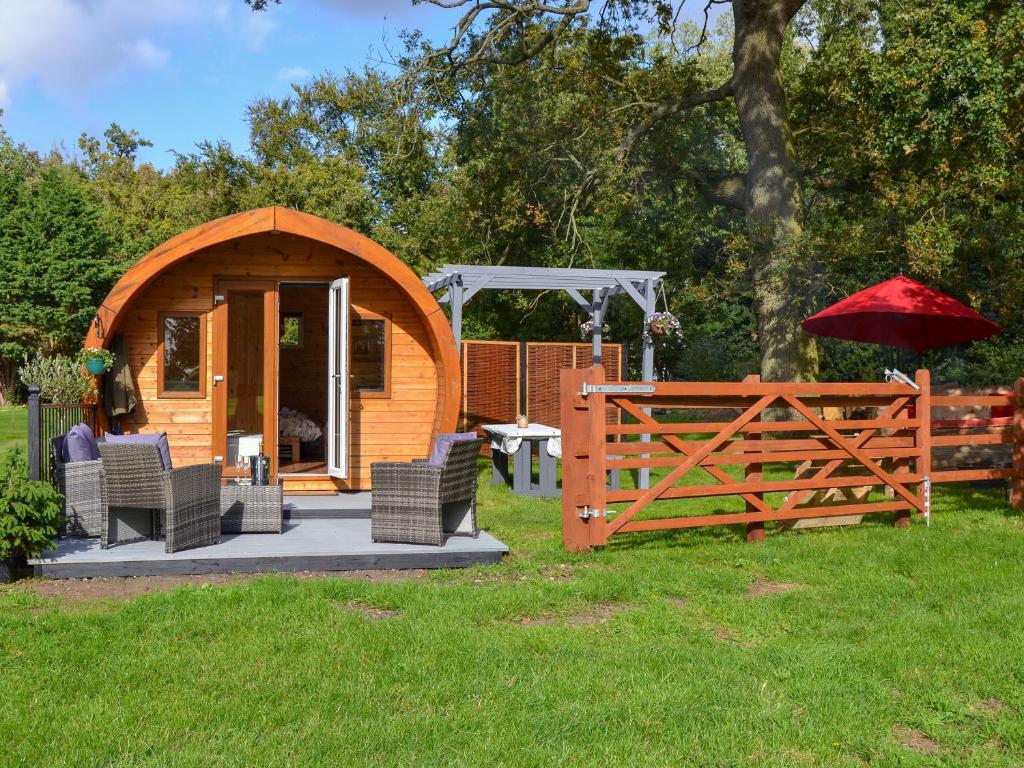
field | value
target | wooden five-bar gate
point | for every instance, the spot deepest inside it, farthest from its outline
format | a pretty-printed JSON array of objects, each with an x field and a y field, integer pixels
[{"x": 866, "y": 437}]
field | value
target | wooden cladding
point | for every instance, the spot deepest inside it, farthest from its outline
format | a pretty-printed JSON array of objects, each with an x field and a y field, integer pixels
[
  {"x": 396, "y": 427},
  {"x": 840, "y": 457}
]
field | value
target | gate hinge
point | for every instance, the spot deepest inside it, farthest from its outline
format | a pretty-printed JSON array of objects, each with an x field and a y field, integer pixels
[
  {"x": 588, "y": 513},
  {"x": 616, "y": 389}
]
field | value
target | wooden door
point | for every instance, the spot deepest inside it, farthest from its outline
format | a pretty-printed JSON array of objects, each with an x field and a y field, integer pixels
[{"x": 245, "y": 350}]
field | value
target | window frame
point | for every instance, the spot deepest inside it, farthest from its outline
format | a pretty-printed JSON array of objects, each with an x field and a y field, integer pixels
[
  {"x": 358, "y": 313},
  {"x": 162, "y": 393}
]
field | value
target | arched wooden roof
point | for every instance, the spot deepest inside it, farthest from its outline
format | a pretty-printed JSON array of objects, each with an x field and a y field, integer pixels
[{"x": 284, "y": 220}]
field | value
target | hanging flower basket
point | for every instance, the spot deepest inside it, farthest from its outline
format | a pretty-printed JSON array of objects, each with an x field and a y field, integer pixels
[
  {"x": 97, "y": 360},
  {"x": 587, "y": 330},
  {"x": 664, "y": 325}
]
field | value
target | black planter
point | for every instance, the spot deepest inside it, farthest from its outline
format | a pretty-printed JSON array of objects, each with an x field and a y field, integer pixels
[{"x": 11, "y": 568}]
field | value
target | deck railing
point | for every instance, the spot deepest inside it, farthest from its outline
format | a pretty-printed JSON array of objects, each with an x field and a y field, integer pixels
[{"x": 46, "y": 421}]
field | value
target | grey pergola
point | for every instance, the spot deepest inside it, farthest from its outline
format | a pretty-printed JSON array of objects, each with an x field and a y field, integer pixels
[{"x": 590, "y": 288}]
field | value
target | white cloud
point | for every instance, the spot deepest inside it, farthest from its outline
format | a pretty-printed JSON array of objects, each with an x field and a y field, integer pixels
[
  {"x": 257, "y": 28},
  {"x": 146, "y": 52},
  {"x": 71, "y": 45},
  {"x": 5, "y": 98},
  {"x": 291, "y": 74}
]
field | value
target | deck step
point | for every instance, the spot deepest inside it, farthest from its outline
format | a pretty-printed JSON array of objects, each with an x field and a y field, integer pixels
[{"x": 305, "y": 545}]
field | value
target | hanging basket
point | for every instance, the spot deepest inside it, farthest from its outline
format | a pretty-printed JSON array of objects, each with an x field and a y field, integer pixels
[
  {"x": 97, "y": 360},
  {"x": 663, "y": 325}
]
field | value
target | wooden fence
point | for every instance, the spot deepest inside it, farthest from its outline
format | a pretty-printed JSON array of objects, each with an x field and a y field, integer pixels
[
  {"x": 874, "y": 436},
  {"x": 501, "y": 379}
]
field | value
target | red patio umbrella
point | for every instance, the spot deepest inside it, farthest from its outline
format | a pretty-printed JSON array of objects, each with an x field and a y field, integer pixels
[{"x": 903, "y": 313}]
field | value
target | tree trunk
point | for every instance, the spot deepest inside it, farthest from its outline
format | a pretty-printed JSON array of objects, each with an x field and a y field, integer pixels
[
  {"x": 8, "y": 380},
  {"x": 772, "y": 204}
]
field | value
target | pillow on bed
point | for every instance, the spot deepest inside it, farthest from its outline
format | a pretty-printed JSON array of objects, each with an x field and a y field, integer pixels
[
  {"x": 444, "y": 443},
  {"x": 159, "y": 440},
  {"x": 79, "y": 444}
]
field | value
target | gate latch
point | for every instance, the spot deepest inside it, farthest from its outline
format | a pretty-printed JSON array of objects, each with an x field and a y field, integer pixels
[{"x": 588, "y": 513}]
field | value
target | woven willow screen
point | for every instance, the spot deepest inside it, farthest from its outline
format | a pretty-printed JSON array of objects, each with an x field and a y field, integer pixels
[
  {"x": 493, "y": 376},
  {"x": 490, "y": 383}
]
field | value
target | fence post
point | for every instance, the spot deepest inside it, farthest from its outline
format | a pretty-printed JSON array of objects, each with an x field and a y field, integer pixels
[
  {"x": 1017, "y": 483},
  {"x": 524, "y": 384},
  {"x": 923, "y": 443},
  {"x": 754, "y": 473},
  {"x": 34, "y": 447},
  {"x": 583, "y": 475}
]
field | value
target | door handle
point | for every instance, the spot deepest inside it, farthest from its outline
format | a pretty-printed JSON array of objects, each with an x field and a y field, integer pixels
[{"x": 217, "y": 379}]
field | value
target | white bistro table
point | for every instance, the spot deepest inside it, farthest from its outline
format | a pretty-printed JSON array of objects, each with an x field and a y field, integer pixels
[{"x": 518, "y": 442}]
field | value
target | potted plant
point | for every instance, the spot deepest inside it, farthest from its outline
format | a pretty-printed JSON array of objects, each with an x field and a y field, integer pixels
[
  {"x": 97, "y": 360},
  {"x": 30, "y": 512}
]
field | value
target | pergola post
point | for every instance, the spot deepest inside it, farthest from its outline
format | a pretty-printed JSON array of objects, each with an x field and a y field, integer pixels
[
  {"x": 647, "y": 364},
  {"x": 456, "y": 292},
  {"x": 597, "y": 318}
]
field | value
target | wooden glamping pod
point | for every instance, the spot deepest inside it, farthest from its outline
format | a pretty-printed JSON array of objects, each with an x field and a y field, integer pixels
[{"x": 243, "y": 327}]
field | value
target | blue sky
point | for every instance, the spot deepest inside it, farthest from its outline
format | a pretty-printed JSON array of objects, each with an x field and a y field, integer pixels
[{"x": 180, "y": 71}]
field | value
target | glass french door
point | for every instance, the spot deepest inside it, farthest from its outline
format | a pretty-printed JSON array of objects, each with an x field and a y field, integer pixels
[{"x": 338, "y": 380}]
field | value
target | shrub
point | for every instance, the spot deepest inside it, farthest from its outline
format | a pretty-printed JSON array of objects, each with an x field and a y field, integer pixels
[
  {"x": 29, "y": 510},
  {"x": 61, "y": 379}
]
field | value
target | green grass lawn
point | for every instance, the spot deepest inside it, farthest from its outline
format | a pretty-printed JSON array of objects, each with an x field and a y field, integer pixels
[
  {"x": 877, "y": 647},
  {"x": 13, "y": 427}
]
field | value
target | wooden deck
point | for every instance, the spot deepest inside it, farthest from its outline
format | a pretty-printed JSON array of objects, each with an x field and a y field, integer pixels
[{"x": 307, "y": 544}]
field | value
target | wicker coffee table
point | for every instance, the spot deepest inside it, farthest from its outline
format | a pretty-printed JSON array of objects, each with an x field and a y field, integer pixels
[{"x": 251, "y": 508}]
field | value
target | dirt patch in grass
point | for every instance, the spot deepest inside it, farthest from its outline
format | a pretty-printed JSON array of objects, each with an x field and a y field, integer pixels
[
  {"x": 599, "y": 613},
  {"x": 371, "y": 612},
  {"x": 911, "y": 738},
  {"x": 122, "y": 588},
  {"x": 990, "y": 706},
  {"x": 128, "y": 587},
  {"x": 559, "y": 572},
  {"x": 677, "y": 602},
  {"x": 762, "y": 588},
  {"x": 728, "y": 635}
]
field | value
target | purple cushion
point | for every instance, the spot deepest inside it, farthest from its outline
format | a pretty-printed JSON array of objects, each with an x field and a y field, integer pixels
[
  {"x": 79, "y": 445},
  {"x": 159, "y": 440},
  {"x": 444, "y": 443}
]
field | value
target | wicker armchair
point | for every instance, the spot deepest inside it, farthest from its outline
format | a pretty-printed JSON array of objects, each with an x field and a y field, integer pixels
[
  {"x": 81, "y": 483},
  {"x": 140, "y": 493},
  {"x": 419, "y": 503}
]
